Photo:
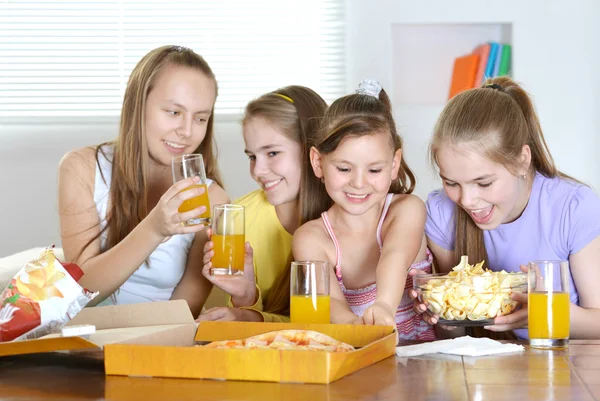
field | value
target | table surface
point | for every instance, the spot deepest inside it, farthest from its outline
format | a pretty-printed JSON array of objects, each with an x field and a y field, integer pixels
[{"x": 572, "y": 374}]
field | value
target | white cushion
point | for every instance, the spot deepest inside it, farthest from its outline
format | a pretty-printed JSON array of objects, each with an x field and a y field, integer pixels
[{"x": 11, "y": 264}]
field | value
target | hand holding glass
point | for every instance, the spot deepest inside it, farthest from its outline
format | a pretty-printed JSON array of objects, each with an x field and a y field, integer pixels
[
  {"x": 228, "y": 237},
  {"x": 309, "y": 292},
  {"x": 548, "y": 304},
  {"x": 185, "y": 166}
]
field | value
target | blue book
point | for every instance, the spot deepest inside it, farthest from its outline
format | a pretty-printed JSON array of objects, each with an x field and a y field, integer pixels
[
  {"x": 489, "y": 69},
  {"x": 497, "y": 62}
]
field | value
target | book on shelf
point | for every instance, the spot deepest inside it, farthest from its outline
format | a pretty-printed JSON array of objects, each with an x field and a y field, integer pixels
[
  {"x": 489, "y": 69},
  {"x": 464, "y": 73},
  {"x": 505, "y": 60},
  {"x": 487, "y": 60},
  {"x": 497, "y": 61},
  {"x": 484, "y": 52}
]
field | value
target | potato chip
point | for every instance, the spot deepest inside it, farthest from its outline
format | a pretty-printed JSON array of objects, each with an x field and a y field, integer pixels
[{"x": 471, "y": 292}]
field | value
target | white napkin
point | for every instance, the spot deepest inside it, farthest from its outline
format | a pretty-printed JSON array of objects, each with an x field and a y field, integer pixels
[{"x": 465, "y": 345}]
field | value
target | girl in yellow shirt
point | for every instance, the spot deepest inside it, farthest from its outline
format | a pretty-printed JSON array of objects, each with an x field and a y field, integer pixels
[{"x": 278, "y": 130}]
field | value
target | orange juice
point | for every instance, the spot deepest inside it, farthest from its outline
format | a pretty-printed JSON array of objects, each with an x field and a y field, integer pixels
[
  {"x": 303, "y": 310},
  {"x": 229, "y": 254},
  {"x": 549, "y": 319},
  {"x": 193, "y": 203}
]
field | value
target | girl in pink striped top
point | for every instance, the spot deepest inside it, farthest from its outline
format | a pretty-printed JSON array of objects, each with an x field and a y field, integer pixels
[{"x": 371, "y": 229}]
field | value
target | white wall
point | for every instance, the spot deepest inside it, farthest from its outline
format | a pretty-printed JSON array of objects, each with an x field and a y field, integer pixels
[{"x": 555, "y": 56}]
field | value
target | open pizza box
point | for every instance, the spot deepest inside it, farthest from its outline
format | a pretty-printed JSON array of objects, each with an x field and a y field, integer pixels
[
  {"x": 158, "y": 340},
  {"x": 161, "y": 323}
]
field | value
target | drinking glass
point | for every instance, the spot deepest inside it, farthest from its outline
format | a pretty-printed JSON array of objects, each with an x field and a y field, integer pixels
[
  {"x": 309, "y": 292},
  {"x": 186, "y": 166},
  {"x": 228, "y": 237},
  {"x": 548, "y": 304}
]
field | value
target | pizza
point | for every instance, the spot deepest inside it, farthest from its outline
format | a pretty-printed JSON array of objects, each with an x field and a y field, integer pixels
[{"x": 287, "y": 339}]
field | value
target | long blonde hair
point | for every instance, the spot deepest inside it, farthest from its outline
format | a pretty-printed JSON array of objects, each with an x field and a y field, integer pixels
[
  {"x": 296, "y": 111},
  {"x": 129, "y": 183},
  {"x": 354, "y": 116},
  {"x": 499, "y": 119}
]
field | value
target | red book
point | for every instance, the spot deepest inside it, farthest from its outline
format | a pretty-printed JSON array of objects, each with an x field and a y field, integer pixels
[
  {"x": 484, "y": 54},
  {"x": 464, "y": 73}
]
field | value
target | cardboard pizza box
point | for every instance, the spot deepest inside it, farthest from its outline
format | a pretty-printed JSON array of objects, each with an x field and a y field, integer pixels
[
  {"x": 373, "y": 344},
  {"x": 161, "y": 323},
  {"x": 160, "y": 340}
]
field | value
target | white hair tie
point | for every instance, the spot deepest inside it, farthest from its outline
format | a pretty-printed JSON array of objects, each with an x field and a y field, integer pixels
[
  {"x": 180, "y": 49},
  {"x": 369, "y": 87}
]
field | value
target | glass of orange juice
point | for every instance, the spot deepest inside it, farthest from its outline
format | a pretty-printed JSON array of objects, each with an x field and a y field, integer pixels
[
  {"x": 228, "y": 237},
  {"x": 191, "y": 165},
  {"x": 548, "y": 304},
  {"x": 309, "y": 292}
]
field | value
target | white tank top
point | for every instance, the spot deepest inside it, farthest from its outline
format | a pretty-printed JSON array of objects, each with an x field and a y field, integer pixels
[{"x": 153, "y": 281}]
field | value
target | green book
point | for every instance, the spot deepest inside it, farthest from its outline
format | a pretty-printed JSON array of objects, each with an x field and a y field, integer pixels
[{"x": 505, "y": 68}]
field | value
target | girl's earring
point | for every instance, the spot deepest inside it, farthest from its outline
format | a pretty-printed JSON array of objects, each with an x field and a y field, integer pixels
[
  {"x": 323, "y": 180},
  {"x": 524, "y": 176}
]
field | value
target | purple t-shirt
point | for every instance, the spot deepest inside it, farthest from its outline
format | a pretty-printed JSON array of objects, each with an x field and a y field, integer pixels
[{"x": 561, "y": 218}]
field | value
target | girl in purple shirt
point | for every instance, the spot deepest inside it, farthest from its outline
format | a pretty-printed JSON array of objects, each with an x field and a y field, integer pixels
[{"x": 505, "y": 202}]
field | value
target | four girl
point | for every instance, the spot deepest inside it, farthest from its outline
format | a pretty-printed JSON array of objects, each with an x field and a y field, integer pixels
[{"x": 335, "y": 181}]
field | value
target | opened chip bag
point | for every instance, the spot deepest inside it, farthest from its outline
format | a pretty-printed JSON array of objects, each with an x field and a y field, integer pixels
[
  {"x": 41, "y": 298},
  {"x": 471, "y": 292}
]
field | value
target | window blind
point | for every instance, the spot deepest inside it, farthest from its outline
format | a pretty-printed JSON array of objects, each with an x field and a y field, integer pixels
[{"x": 73, "y": 58}]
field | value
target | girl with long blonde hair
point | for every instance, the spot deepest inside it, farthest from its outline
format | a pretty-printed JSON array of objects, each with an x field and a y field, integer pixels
[
  {"x": 505, "y": 202},
  {"x": 278, "y": 129},
  {"x": 118, "y": 205}
]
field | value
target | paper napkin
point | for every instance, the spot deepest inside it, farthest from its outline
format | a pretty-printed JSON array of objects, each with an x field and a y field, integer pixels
[{"x": 465, "y": 345}]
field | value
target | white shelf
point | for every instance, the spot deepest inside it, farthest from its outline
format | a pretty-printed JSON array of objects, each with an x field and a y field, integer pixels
[{"x": 423, "y": 56}]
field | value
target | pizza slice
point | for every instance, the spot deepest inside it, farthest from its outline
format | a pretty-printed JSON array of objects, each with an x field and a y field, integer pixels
[
  {"x": 226, "y": 344},
  {"x": 287, "y": 339}
]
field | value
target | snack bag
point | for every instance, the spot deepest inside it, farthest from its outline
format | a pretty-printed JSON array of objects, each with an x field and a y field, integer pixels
[{"x": 41, "y": 298}]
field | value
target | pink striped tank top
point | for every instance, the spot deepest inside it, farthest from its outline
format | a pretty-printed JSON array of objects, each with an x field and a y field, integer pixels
[{"x": 410, "y": 325}]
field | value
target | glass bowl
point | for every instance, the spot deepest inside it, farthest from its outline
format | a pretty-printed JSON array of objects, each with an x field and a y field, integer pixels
[{"x": 473, "y": 300}]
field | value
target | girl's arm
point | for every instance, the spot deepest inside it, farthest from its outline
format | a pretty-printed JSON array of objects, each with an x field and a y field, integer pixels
[
  {"x": 403, "y": 242},
  {"x": 443, "y": 259},
  {"x": 308, "y": 244},
  {"x": 585, "y": 318},
  {"x": 577, "y": 227},
  {"x": 193, "y": 286},
  {"x": 79, "y": 223}
]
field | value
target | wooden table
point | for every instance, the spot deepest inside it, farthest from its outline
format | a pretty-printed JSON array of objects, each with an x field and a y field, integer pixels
[{"x": 533, "y": 375}]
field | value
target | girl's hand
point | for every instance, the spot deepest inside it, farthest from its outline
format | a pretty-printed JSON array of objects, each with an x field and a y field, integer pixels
[
  {"x": 379, "y": 314},
  {"x": 165, "y": 218},
  {"x": 224, "y": 313},
  {"x": 515, "y": 320},
  {"x": 241, "y": 288},
  {"x": 418, "y": 306}
]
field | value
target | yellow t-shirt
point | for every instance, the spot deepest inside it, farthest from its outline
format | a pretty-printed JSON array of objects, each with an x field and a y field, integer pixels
[{"x": 271, "y": 243}]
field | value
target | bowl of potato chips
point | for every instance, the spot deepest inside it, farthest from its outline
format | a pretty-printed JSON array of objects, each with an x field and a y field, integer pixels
[{"x": 470, "y": 295}]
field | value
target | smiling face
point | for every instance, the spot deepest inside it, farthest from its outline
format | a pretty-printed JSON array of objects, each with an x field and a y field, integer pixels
[
  {"x": 489, "y": 193},
  {"x": 275, "y": 161},
  {"x": 358, "y": 173},
  {"x": 177, "y": 112}
]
